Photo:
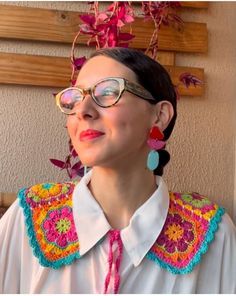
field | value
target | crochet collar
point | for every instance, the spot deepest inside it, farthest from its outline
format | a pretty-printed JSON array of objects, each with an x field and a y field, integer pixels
[{"x": 141, "y": 233}]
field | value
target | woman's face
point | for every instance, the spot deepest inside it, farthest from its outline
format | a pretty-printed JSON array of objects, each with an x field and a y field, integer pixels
[{"x": 117, "y": 135}]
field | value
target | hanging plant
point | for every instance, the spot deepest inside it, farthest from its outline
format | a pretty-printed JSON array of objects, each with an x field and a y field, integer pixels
[
  {"x": 103, "y": 29},
  {"x": 71, "y": 164}
]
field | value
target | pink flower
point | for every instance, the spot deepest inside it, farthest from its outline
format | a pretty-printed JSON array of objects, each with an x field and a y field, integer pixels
[
  {"x": 59, "y": 227},
  {"x": 105, "y": 26}
]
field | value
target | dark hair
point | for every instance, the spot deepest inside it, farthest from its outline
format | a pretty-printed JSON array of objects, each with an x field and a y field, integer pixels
[{"x": 153, "y": 77}]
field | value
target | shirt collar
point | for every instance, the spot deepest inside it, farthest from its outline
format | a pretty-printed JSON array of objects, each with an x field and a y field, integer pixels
[{"x": 141, "y": 233}]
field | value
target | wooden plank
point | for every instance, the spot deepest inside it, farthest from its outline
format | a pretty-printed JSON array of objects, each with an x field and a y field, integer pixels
[
  {"x": 194, "y": 4},
  {"x": 17, "y": 22},
  {"x": 193, "y": 37},
  {"x": 175, "y": 73},
  {"x": 55, "y": 72},
  {"x": 187, "y": 4},
  {"x": 34, "y": 70},
  {"x": 166, "y": 58},
  {"x": 6, "y": 199}
]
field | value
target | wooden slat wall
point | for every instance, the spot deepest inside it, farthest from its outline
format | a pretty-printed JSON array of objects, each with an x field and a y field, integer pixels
[
  {"x": 194, "y": 4},
  {"x": 166, "y": 58},
  {"x": 175, "y": 73},
  {"x": 193, "y": 38},
  {"x": 55, "y": 72},
  {"x": 58, "y": 26},
  {"x": 34, "y": 70},
  {"x": 24, "y": 23}
]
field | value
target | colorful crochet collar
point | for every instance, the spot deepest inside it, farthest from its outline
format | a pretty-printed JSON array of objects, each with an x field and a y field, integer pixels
[{"x": 174, "y": 235}]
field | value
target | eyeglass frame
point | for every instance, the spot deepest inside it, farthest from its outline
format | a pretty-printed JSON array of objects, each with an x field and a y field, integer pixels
[{"x": 124, "y": 84}]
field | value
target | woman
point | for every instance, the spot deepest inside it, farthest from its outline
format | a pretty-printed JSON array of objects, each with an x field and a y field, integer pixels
[{"x": 118, "y": 230}]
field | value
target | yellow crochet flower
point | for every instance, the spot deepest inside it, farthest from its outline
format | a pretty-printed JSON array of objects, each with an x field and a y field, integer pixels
[
  {"x": 46, "y": 190},
  {"x": 174, "y": 232}
]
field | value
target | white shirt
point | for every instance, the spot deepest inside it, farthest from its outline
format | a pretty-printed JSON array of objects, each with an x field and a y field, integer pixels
[{"x": 20, "y": 271}]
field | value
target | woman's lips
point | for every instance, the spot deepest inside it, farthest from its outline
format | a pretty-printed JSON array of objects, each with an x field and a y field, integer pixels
[{"x": 90, "y": 134}]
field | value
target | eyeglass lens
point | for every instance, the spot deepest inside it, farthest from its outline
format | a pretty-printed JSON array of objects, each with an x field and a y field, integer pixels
[{"x": 105, "y": 94}]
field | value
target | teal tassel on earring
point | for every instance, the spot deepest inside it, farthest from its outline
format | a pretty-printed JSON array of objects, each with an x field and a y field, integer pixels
[
  {"x": 153, "y": 160},
  {"x": 154, "y": 143}
]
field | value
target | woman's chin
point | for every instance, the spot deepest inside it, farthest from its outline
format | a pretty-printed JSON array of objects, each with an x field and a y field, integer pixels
[
  {"x": 96, "y": 163},
  {"x": 88, "y": 162},
  {"x": 92, "y": 159}
]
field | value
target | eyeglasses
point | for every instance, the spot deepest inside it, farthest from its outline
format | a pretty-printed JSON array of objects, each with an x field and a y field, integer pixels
[{"x": 105, "y": 93}]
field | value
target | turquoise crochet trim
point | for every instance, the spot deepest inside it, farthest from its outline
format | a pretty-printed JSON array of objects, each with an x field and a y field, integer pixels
[
  {"x": 32, "y": 238},
  {"x": 210, "y": 235}
]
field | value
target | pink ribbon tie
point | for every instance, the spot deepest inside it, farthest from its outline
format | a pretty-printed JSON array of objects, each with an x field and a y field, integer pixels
[{"x": 114, "y": 235}]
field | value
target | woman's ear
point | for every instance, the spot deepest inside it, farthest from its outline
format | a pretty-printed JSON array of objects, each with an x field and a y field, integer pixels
[{"x": 164, "y": 114}]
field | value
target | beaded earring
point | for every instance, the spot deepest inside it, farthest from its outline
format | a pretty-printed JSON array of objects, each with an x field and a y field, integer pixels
[{"x": 155, "y": 143}]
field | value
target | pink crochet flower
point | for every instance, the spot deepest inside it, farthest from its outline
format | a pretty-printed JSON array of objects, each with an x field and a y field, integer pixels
[
  {"x": 177, "y": 234},
  {"x": 59, "y": 227}
]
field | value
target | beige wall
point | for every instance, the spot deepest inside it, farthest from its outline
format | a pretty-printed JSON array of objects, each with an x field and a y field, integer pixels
[{"x": 203, "y": 143}]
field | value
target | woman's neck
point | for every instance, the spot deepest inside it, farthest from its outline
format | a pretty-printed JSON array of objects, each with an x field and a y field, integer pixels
[{"x": 121, "y": 193}]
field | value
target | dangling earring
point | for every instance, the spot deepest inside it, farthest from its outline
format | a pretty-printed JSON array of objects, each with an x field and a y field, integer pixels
[{"x": 154, "y": 143}]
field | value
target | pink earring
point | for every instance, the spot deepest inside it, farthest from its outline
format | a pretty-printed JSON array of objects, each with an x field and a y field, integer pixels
[{"x": 155, "y": 143}]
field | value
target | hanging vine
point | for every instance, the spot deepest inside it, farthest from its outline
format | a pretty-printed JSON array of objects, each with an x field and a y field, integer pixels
[{"x": 104, "y": 29}]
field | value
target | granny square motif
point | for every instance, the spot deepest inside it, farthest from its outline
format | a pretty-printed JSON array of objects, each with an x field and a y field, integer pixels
[
  {"x": 50, "y": 224},
  {"x": 190, "y": 227}
]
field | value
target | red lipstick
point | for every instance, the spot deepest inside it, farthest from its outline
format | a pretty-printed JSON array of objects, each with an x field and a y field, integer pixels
[{"x": 90, "y": 134}]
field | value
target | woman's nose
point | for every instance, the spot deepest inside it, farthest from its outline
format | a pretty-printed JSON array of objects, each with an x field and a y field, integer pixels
[{"x": 86, "y": 108}]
